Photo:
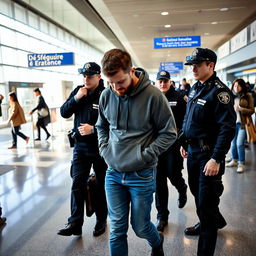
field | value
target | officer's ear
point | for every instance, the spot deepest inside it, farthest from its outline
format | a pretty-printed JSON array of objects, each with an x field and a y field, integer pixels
[{"x": 212, "y": 65}]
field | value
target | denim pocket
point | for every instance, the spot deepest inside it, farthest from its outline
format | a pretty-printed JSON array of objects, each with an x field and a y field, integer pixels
[{"x": 145, "y": 174}]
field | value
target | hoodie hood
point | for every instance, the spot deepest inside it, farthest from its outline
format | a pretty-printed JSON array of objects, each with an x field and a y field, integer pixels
[{"x": 123, "y": 105}]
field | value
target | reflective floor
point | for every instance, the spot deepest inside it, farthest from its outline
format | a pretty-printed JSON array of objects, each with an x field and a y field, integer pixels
[{"x": 34, "y": 194}]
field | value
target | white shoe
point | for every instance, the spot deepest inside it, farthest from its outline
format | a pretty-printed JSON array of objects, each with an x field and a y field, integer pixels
[
  {"x": 240, "y": 168},
  {"x": 227, "y": 160},
  {"x": 232, "y": 163}
]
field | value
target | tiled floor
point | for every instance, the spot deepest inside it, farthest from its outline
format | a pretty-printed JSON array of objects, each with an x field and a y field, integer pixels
[{"x": 34, "y": 193}]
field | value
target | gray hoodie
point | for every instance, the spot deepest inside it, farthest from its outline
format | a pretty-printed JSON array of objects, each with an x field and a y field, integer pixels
[{"x": 133, "y": 130}]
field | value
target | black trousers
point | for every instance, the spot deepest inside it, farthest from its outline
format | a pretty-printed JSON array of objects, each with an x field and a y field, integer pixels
[
  {"x": 170, "y": 165},
  {"x": 40, "y": 123},
  {"x": 15, "y": 132},
  {"x": 206, "y": 191},
  {"x": 83, "y": 161}
]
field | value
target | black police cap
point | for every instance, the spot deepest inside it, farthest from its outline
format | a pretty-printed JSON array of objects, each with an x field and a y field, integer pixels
[
  {"x": 90, "y": 68},
  {"x": 201, "y": 54},
  {"x": 163, "y": 75}
]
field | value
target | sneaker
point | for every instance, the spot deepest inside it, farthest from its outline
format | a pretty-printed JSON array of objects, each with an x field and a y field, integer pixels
[
  {"x": 240, "y": 168},
  {"x": 232, "y": 163},
  {"x": 228, "y": 159}
]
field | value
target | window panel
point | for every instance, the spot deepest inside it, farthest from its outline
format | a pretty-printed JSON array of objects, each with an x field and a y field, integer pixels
[
  {"x": 8, "y": 37},
  {"x": 20, "y": 13},
  {"x": 44, "y": 26},
  {"x": 33, "y": 20},
  {"x": 9, "y": 56},
  {"x": 5, "y": 7}
]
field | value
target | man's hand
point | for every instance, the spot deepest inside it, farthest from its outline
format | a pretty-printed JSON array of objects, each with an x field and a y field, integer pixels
[
  {"x": 183, "y": 152},
  {"x": 211, "y": 168},
  {"x": 85, "y": 129},
  {"x": 81, "y": 93},
  {"x": 31, "y": 112}
]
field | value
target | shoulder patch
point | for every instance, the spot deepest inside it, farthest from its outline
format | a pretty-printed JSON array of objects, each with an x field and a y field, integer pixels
[{"x": 224, "y": 97}]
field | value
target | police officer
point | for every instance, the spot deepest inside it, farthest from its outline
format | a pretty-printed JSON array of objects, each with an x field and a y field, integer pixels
[
  {"x": 208, "y": 127},
  {"x": 83, "y": 102},
  {"x": 170, "y": 163}
]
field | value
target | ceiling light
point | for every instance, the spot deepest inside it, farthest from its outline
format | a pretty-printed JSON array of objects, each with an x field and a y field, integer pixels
[
  {"x": 214, "y": 23},
  {"x": 206, "y": 34},
  {"x": 164, "y": 13},
  {"x": 224, "y": 9},
  {"x": 167, "y": 26}
]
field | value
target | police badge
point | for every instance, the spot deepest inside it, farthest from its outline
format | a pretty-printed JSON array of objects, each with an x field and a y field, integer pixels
[{"x": 224, "y": 97}]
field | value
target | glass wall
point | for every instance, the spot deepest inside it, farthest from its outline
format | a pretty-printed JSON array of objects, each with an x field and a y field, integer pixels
[{"x": 23, "y": 32}]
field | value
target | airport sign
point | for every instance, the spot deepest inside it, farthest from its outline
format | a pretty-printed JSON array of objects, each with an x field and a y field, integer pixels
[
  {"x": 171, "y": 67},
  {"x": 50, "y": 59},
  {"x": 177, "y": 42}
]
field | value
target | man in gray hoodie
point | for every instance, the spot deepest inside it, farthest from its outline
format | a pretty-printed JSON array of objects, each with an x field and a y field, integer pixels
[{"x": 135, "y": 125}]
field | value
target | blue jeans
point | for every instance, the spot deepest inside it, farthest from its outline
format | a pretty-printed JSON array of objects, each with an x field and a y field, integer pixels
[
  {"x": 237, "y": 144},
  {"x": 135, "y": 188}
]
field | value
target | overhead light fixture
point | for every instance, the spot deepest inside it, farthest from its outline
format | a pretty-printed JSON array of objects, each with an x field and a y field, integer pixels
[
  {"x": 164, "y": 13},
  {"x": 224, "y": 9},
  {"x": 214, "y": 23},
  {"x": 206, "y": 34},
  {"x": 167, "y": 26}
]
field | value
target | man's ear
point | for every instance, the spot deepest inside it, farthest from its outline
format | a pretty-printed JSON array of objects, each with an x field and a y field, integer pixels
[{"x": 132, "y": 71}]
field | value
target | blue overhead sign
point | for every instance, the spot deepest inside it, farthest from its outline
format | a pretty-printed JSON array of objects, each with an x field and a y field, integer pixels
[
  {"x": 177, "y": 42},
  {"x": 171, "y": 67},
  {"x": 50, "y": 59}
]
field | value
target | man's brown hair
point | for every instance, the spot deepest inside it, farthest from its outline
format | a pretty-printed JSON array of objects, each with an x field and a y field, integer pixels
[{"x": 114, "y": 60}]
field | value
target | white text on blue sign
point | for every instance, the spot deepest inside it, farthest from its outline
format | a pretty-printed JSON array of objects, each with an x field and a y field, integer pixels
[
  {"x": 177, "y": 42},
  {"x": 50, "y": 59}
]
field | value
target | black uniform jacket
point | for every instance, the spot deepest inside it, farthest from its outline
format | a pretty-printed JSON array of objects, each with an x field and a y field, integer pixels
[
  {"x": 86, "y": 111},
  {"x": 177, "y": 104},
  {"x": 210, "y": 116}
]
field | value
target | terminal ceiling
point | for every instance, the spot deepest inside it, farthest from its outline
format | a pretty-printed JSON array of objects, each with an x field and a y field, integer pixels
[{"x": 133, "y": 24}]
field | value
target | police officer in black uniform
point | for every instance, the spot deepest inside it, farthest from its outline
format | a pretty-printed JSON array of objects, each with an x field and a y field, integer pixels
[
  {"x": 83, "y": 102},
  {"x": 208, "y": 129},
  {"x": 170, "y": 163}
]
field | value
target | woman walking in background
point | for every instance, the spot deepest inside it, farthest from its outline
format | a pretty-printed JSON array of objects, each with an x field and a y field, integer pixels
[
  {"x": 16, "y": 118},
  {"x": 43, "y": 114},
  {"x": 244, "y": 106}
]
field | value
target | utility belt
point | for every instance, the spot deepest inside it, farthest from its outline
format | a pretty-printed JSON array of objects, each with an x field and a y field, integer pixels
[{"x": 201, "y": 143}]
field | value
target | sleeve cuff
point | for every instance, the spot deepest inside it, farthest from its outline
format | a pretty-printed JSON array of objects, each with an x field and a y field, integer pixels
[{"x": 75, "y": 98}]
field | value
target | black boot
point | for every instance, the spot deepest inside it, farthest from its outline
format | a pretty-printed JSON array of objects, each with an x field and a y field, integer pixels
[
  {"x": 71, "y": 229},
  {"x": 158, "y": 251},
  {"x": 99, "y": 228},
  {"x": 193, "y": 231},
  {"x": 182, "y": 200}
]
